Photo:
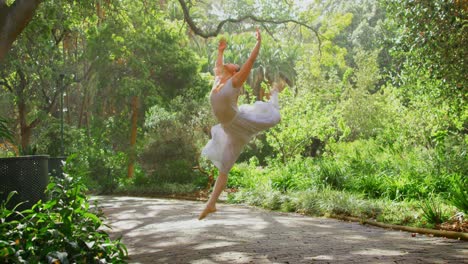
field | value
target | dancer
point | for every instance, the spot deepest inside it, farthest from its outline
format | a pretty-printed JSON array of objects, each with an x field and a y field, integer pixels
[{"x": 237, "y": 125}]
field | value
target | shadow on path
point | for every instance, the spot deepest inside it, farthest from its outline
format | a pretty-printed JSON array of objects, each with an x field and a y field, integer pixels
[{"x": 167, "y": 231}]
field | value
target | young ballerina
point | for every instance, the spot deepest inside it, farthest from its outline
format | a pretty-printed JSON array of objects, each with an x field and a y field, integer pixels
[{"x": 237, "y": 125}]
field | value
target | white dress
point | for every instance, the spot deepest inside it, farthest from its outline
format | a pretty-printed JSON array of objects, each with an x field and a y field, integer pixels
[{"x": 229, "y": 137}]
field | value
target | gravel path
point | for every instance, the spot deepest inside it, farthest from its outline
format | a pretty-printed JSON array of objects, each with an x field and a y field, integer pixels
[{"x": 167, "y": 231}]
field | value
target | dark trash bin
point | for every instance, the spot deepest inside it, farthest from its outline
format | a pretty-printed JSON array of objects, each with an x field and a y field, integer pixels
[
  {"x": 28, "y": 175},
  {"x": 56, "y": 166}
]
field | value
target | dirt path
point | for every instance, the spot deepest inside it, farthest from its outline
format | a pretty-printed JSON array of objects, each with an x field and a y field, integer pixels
[{"x": 167, "y": 231}]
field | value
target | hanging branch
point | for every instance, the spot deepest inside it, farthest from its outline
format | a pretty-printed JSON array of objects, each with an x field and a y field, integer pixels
[
  {"x": 13, "y": 19},
  {"x": 216, "y": 32}
]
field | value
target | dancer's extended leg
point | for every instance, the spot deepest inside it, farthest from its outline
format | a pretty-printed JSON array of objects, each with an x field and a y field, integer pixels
[{"x": 218, "y": 188}]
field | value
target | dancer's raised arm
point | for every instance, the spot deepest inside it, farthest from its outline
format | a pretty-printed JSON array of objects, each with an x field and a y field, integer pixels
[
  {"x": 218, "y": 70},
  {"x": 239, "y": 78}
]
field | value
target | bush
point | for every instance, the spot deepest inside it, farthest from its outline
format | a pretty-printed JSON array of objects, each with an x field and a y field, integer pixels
[
  {"x": 309, "y": 203},
  {"x": 331, "y": 174},
  {"x": 371, "y": 186},
  {"x": 100, "y": 168},
  {"x": 459, "y": 193},
  {"x": 62, "y": 230},
  {"x": 248, "y": 175},
  {"x": 297, "y": 174},
  {"x": 172, "y": 142},
  {"x": 399, "y": 213},
  {"x": 273, "y": 200},
  {"x": 433, "y": 211},
  {"x": 159, "y": 189}
]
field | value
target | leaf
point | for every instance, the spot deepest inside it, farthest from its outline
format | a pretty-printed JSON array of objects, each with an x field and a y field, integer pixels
[
  {"x": 90, "y": 244},
  {"x": 57, "y": 257}
]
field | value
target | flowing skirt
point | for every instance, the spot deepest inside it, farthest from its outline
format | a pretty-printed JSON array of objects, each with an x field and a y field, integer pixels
[{"x": 228, "y": 139}]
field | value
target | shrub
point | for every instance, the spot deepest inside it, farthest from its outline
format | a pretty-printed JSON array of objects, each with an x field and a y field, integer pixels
[
  {"x": 255, "y": 197},
  {"x": 399, "y": 213},
  {"x": 289, "y": 204},
  {"x": 173, "y": 141},
  {"x": 432, "y": 210},
  {"x": 236, "y": 178},
  {"x": 331, "y": 174},
  {"x": 371, "y": 186},
  {"x": 159, "y": 189},
  {"x": 248, "y": 175},
  {"x": 297, "y": 174},
  {"x": 309, "y": 203},
  {"x": 100, "y": 168},
  {"x": 339, "y": 203},
  {"x": 62, "y": 230},
  {"x": 459, "y": 193}
]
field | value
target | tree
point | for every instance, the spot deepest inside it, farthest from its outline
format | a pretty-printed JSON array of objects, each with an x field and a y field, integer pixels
[
  {"x": 261, "y": 18},
  {"x": 14, "y": 17},
  {"x": 430, "y": 68},
  {"x": 36, "y": 67},
  {"x": 141, "y": 61},
  {"x": 431, "y": 41}
]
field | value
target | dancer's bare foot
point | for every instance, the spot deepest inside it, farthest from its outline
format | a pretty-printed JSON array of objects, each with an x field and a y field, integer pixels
[{"x": 206, "y": 212}]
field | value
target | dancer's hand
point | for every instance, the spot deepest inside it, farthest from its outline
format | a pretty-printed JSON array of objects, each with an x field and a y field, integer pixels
[
  {"x": 222, "y": 44},
  {"x": 258, "y": 36}
]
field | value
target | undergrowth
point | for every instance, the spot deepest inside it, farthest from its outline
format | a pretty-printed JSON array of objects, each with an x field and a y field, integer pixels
[{"x": 63, "y": 229}]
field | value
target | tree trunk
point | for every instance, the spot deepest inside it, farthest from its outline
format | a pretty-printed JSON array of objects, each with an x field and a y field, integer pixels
[
  {"x": 68, "y": 107},
  {"x": 133, "y": 137},
  {"x": 82, "y": 107},
  {"x": 25, "y": 131},
  {"x": 13, "y": 19}
]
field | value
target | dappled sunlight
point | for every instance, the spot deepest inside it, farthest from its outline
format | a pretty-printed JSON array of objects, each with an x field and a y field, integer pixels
[
  {"x": 356, "y": 237},
  {"x": 125, "y": 225},
  {"x": 298, "y": 220},
  {"x": 320, "y": 257},
  {"x": 203, "y": 261},
  {"x": 378, "y": 252},
  {"x": 233, "y": 255},
  {"x": 214, "y": 244},
  {"x": 168, "y": 231}
]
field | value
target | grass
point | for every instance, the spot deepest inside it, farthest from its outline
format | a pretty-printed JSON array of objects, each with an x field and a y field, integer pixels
[
  {"x": 433, "y": 211},
  {"x": 330, "y": 202},
  {"x": 162, "y": 189}
]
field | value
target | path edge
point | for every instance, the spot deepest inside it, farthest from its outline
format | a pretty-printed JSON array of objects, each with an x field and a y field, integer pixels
[{"x": 434, "y": 232}]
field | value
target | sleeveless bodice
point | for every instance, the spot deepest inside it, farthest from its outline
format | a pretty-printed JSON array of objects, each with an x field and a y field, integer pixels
[{"x": 224, "y": 102}]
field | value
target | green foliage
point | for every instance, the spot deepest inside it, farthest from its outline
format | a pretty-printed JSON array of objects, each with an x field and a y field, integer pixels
[
  {"x": 63, "y": 229},
  {"x": 302, "y": 122},
  {"x": 433, "y": 211},
  {"x": 309, "y": 204},
  {"x": 295, "y": 175},
  {"x": 331, "y": 174},
  {"x": 459, "y": 192},
  {"x": 326, "y": 201},
  {"x": 5, "y": 131},
  {"x": 400, "y": 213},
  {"x": 31, "y": 73},
  {"x": 392, "y": 172},
  {"x": 49, "y": 138},
  {"x": 247, "y": 175},
  {"x": 152, "y": 189},
  {"x": 426, "y": 31},
  {"x": 100, "y": 167},
  {"x": 174, "y": 138},
  {"x": 362, "y": 112}
]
